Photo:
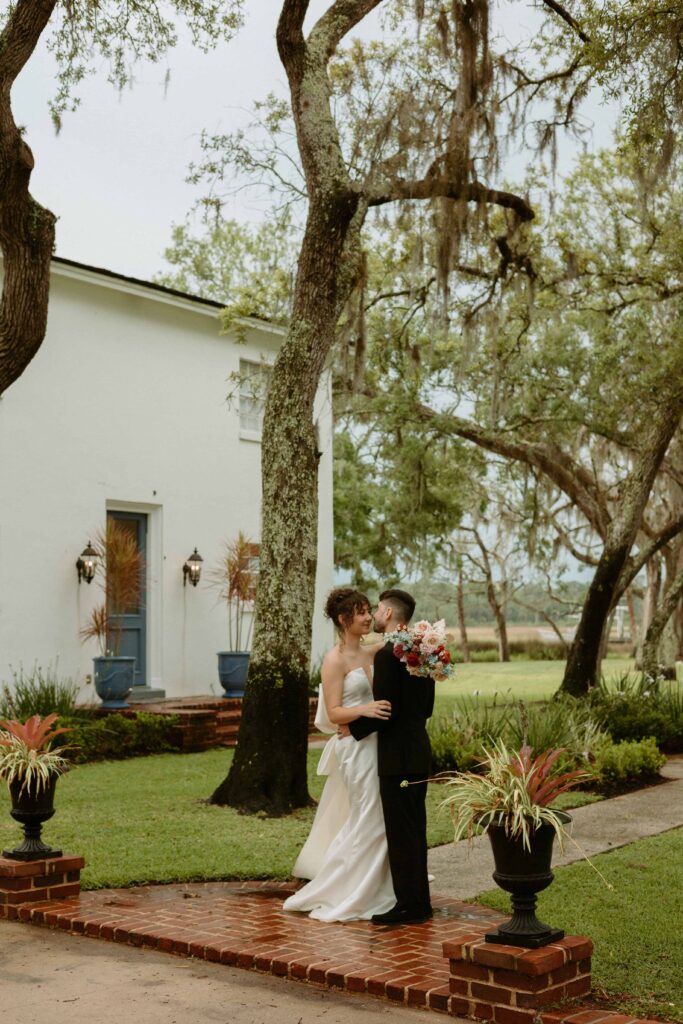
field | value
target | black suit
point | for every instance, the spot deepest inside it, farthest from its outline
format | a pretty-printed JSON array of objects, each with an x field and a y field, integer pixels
[{"x": 403, "y": 753}]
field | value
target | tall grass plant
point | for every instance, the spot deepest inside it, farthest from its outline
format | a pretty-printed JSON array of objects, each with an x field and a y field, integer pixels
[{"x": 38, "y": 692}]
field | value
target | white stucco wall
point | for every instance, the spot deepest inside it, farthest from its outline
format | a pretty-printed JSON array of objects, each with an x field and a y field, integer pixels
[{"x": 124, "y": 408}]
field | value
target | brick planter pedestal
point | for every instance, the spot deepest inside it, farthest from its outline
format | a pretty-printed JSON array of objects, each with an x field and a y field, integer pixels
[
  {"x": 37, "y": 881},
  {"x": 510, "y": 984}
]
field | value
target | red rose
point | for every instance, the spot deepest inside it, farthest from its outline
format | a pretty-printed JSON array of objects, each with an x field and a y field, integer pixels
[
  {"x": 445, "y": 658},
  {"x": 398, "y": 650},
  {"x": 412, "y": 659}
]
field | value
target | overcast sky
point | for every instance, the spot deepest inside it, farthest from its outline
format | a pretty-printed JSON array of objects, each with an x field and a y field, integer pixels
[{"x": 115, "y": 176}]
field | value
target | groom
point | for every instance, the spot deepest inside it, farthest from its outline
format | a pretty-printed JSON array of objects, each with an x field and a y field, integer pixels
[{"x": 404, "y": 756}]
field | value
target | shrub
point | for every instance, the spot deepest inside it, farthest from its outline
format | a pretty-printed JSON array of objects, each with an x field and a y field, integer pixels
[
  {"x": 633, "y": 708},
  {"x": 452, "y": 752},
  {"x": 627, "y": 764},
  {"x": 520, "y": 650},
  {"x": 457, "y": 736},
  {"x": 537, "y": 650},
  {"x": 563, "y": 722},
  {"x": 38, "y": 692},
  {"x": 114, "y": 737}
]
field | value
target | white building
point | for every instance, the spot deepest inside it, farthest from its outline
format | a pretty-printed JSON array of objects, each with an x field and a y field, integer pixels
[{"x": 123, "y": 411}]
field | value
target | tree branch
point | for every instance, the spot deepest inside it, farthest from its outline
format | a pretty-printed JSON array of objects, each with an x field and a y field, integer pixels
[
  {"x": 20, "y": 36},
  {"x": 290, "y": 28},
  {"x": 566, "y": 16},
  {"x": 337, "y": 22},
  {"x": 432, "y": 186},
  {"x": 659, "y": 541},
  {"x": 559, "y": 467}
]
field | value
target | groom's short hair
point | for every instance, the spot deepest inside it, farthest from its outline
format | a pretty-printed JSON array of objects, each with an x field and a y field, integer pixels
[{"x": 402, "y": 602}]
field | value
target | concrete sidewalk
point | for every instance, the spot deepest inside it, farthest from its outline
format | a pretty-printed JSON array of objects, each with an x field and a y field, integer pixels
[
  {"x": 64, "y": 979},
  {"x": 463, "y": 870}
]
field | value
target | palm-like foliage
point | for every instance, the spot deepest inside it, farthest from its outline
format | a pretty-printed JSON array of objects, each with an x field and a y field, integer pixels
[
  {"x": 27, "y": 755},
  {"x": 514, "y": 790},
  {"x": 236, "y": 580},
  {"x": 122, "y": 570}
]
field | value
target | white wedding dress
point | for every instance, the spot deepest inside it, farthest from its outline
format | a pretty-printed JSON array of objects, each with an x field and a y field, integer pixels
[{"x": 345, "y": 855}]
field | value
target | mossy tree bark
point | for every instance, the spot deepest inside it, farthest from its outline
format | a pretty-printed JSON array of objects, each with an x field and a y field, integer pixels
[
  {"x": 653, "y": 636},
  {"x": 268, "y": 772},
  {"x": 27, "y": 230}
]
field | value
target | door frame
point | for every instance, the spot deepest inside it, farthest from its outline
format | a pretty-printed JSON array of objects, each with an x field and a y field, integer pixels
[{"x": 153, "y": 604}]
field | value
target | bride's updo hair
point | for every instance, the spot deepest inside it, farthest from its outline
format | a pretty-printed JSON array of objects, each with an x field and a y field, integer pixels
[{"x": 342, "y": 604}]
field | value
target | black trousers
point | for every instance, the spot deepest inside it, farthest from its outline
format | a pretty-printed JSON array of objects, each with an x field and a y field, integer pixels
[{"x": 405, "y": 820}]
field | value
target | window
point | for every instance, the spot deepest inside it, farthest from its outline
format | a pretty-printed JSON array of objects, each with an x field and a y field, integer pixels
[{"x": 254, "y": 380}]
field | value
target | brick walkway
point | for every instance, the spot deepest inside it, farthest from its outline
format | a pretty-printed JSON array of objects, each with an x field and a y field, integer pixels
[{"x": 243, "y": 924}]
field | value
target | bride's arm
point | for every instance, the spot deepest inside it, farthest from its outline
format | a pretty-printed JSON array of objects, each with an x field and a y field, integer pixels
[{"x": 333, "y": 686}]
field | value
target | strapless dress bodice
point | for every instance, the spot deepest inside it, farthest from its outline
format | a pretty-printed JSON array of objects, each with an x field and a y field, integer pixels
[{"x": 356, "y": 689}]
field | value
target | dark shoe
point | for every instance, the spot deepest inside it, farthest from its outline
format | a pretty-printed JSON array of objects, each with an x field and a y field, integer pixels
[{"x": 403, "y": 915}]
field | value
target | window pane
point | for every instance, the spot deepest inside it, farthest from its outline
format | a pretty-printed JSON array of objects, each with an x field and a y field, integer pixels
[{"x": 253, "y": 387}]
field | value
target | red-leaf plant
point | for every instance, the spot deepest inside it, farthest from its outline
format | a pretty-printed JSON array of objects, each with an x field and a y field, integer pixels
[
  {"x": 543, "y": 786},
  {"x": 25, "y": 754}
]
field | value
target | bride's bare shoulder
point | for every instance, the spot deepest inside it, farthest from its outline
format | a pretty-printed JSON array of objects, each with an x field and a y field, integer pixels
[{"x": 333, "y": 661}]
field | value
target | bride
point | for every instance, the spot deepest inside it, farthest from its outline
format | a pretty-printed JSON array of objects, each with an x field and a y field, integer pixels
[{"x": 345, "y": 855}]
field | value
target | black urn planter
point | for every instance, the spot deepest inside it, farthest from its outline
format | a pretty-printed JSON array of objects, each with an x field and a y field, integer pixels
[
  {"x": 31, "y": 809},
  {"x": 524, "y": 873}
]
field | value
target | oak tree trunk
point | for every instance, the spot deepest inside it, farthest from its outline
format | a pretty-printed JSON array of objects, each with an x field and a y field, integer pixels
[
  {"x": 27, "y": 230},
  {"x": 268, "y": 772},
  {"x": 632, "y": 623},
  {"x": 581, "y": 672},
  {"x": 462, "y": 625},
  {"x": 671, "y": 601},
  {"x": 269, "y": 769}
]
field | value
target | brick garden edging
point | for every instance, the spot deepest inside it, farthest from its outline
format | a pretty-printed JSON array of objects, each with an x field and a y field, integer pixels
[
  {"x": 510, "y": 984},
  {"x": 202, "y": 722},
  {"x": 37, "y": 881},
  {"x": 242, "y": 924}
]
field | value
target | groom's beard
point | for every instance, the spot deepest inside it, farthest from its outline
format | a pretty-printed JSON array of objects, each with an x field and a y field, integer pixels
[{"x": 378, "y": 627}]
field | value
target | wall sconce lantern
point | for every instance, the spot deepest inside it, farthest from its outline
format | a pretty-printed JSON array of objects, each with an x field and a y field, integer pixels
[
  {"x": 192, "y": 569},
  {"x": 87, "y": 563}
]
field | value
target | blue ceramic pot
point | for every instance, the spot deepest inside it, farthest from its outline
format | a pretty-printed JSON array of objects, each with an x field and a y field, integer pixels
[
  {"x": 232, "y": 672},
  {"x": 114, "y": 677}
]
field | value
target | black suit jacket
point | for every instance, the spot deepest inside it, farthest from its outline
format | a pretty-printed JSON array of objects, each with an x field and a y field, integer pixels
[{"x": 402, "y": 741}]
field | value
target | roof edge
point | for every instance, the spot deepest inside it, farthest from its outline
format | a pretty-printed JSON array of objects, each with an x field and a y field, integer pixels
[{"x": 174, "y": 293}]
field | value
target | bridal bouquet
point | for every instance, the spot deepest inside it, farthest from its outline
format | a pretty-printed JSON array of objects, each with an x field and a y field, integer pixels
[{"x": 422, "y": 648}]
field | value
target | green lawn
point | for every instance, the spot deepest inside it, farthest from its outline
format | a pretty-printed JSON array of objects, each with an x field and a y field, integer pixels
[
  {"x": 143, "y": 820},
  {"x": 528, "y": 680},
  {"x": 636, "y": 927}
]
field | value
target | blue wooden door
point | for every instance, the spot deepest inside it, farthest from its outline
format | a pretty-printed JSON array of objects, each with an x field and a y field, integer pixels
[{"x": 133, "y": 619}]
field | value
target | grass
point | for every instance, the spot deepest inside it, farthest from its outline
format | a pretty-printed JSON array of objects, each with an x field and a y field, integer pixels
[
  {"x": 528, "y": 680},
  {"x": 143, "y": 820},
  {"x": 636, "y": 927}
]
